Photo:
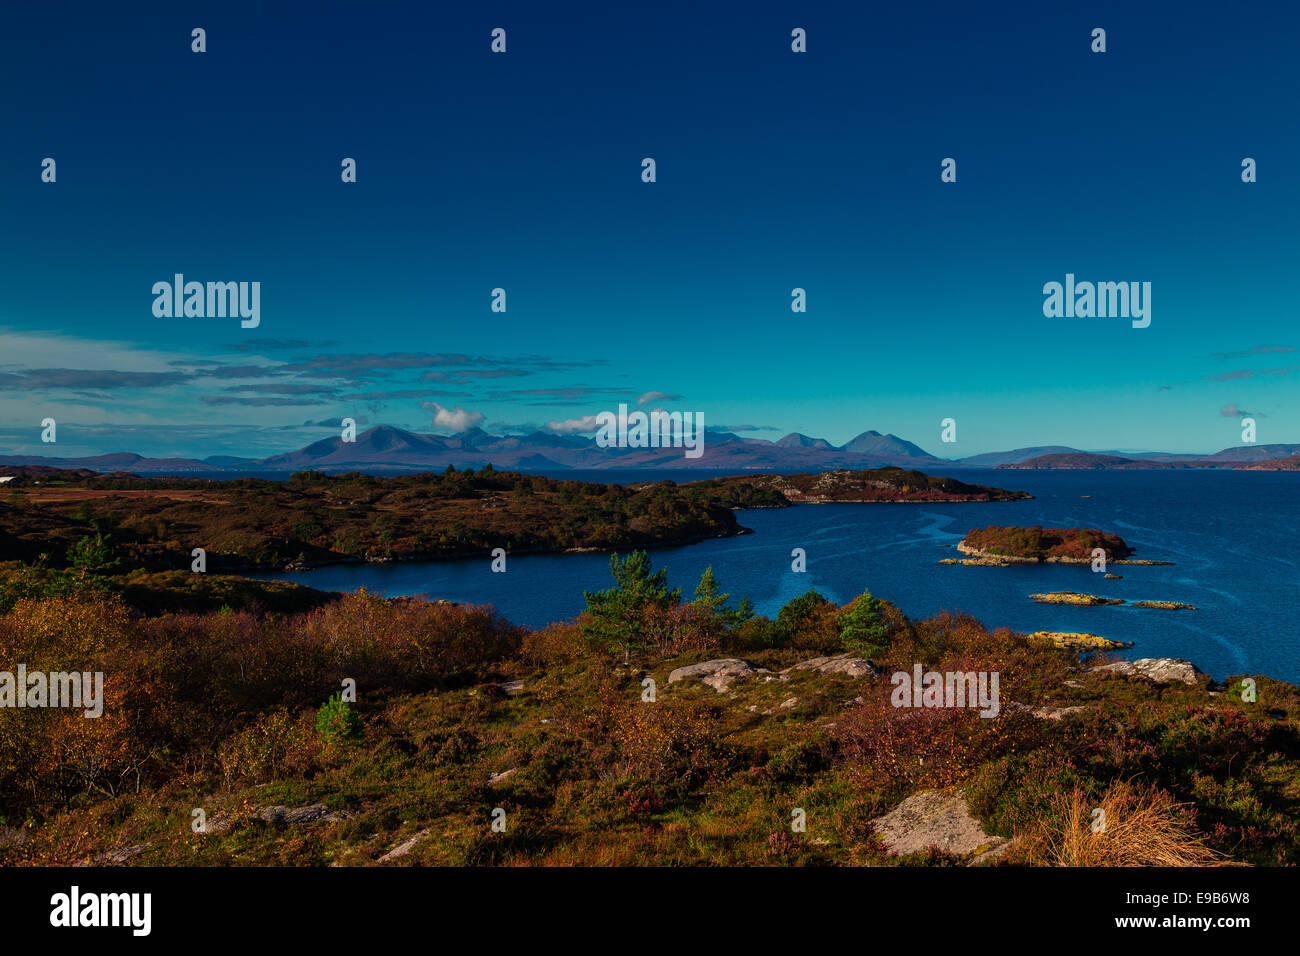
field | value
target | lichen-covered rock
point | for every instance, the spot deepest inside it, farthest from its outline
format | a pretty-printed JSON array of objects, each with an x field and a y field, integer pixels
[
  {"x": 718, "y": 674},
  {"x": 837, "y": 664},
  {"x": 933, "y": 819},
  {"x": 1046, "y": 712},
  {"x": 1158, "y": 670},
  {"x": 285, "y": 816},
  {"x": 403, "y": 848}
]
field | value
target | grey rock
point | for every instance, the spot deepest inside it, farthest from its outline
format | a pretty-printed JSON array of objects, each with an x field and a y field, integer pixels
[
  {"x": 1046, "y": 712},
  {"x": 837, "y": 664},
  {"x": 718, "y": 674},
  {"x": 122, "y": 854},
  {"x": 403, "y": 848},
  {"x": 290, "y": 816},
  {"x": 932, "y": 818},
  {"x": 1158, "y": 670}
]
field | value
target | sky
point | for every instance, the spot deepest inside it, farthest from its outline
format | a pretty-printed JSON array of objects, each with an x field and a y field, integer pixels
[{"x": 522, "y": 170}]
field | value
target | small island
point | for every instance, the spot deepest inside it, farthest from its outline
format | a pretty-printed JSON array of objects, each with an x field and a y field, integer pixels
[
  {"x": 1038, "y": 545},
  {"x": 1074, "y": 597},
  {"x": 1003, "y": 546},
  {"x": 1091, "y": 600},
  {"x": 1074, "y": 640}
]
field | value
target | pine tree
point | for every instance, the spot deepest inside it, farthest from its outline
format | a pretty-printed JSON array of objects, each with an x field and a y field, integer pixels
[
  {"x": 708, "y": 594},
  {"x": 862, "y": 628},
  {"x": 615, "y": 613}
]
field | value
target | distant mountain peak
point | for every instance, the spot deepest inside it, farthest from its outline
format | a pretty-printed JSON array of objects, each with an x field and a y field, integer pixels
[
  {"x": 799, "y": 440},
  {"x": 871, "y": 442}
]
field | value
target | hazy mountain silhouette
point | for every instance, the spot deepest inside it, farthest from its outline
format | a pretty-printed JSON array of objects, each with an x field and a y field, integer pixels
[{"x": 387, "y": 448}]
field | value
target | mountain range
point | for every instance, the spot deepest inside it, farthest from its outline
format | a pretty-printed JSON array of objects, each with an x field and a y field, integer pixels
[{"x": 384, "y": 448}]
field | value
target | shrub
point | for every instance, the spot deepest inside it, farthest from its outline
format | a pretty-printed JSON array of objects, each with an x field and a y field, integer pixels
[
  {"x": 808, "y": 622},
  {"x": 273, "y": 746},
  {"x": 928, "y": 746},
  {"x": 90, "y": 553},
  {"x": 667, "y": 742},
  {"x": 551, "y": 646},
  {"x": 337, "y": 721}
]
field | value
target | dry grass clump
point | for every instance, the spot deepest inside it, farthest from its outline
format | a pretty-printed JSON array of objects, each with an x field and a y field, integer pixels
[{"x": 1142, "y": 827}]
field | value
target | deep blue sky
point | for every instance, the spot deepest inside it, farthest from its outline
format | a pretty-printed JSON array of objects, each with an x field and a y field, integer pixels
[{"x": 775, "y": 170}]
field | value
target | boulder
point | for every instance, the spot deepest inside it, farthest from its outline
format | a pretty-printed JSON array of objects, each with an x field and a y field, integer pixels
[
  {"x": 403, "y": 848},
  {"x": 717, "y": 674},
  {"x": 1047, "y": 712},
  {"x": 286, "y": 816},
  {"x": 933, "y": 819},
  {"x": 1158, "y": 670},
  {"x": 119, "y": 856},
  {"x": 838, "y": 664}
]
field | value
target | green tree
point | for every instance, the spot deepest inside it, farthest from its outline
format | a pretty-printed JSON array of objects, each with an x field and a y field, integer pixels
[
  {"x": 337, "y": 721},
  {"x": 710, "y": 599},
  {"x": 862, "y": 627},
  {"x": 615, "y": 614},
  {"x": 708, "y": 593},
  {"x": 796, "y": 612},
  {"x": 90, "y": 554}
]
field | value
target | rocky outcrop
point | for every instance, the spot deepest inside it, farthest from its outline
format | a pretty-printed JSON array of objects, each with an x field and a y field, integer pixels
[
  {"x": 290, "y": 816},
  {"x": 1158, "y": 670},
  {"x": 1092, "y": 600},
  {"x": 933, "y": 819},
  {"x": 121, "y": 855},
  {"x": 1045, "y": 712},
  {"x": 718, "y": 674},
  {"x": 837, "y": 664},
  {"x": 403, "y": 848}
]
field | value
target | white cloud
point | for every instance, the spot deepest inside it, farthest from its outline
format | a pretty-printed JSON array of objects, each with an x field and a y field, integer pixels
[
  {"x": 573, "y": 426},
  {"x": 454, "y": 419},
  {"x": 657, "y": 397}
]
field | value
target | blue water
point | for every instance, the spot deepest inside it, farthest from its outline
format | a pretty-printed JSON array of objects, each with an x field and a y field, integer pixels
[{"x": 1232, "y": 536}]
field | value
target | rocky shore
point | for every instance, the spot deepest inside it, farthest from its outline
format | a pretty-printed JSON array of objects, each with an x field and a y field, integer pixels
[{"x": 1092, "y": 600}]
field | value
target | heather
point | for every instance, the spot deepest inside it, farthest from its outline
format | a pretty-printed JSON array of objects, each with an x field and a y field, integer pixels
[{"x": 245, "y": 713}]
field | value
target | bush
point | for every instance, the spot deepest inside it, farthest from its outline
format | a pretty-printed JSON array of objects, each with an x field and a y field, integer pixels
[
  {"x": 808, "y": 622},
  {"x": 337, "y": 721},
  {"x": 92, "y": 554},
  {"x": 273, "y": 746}
]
